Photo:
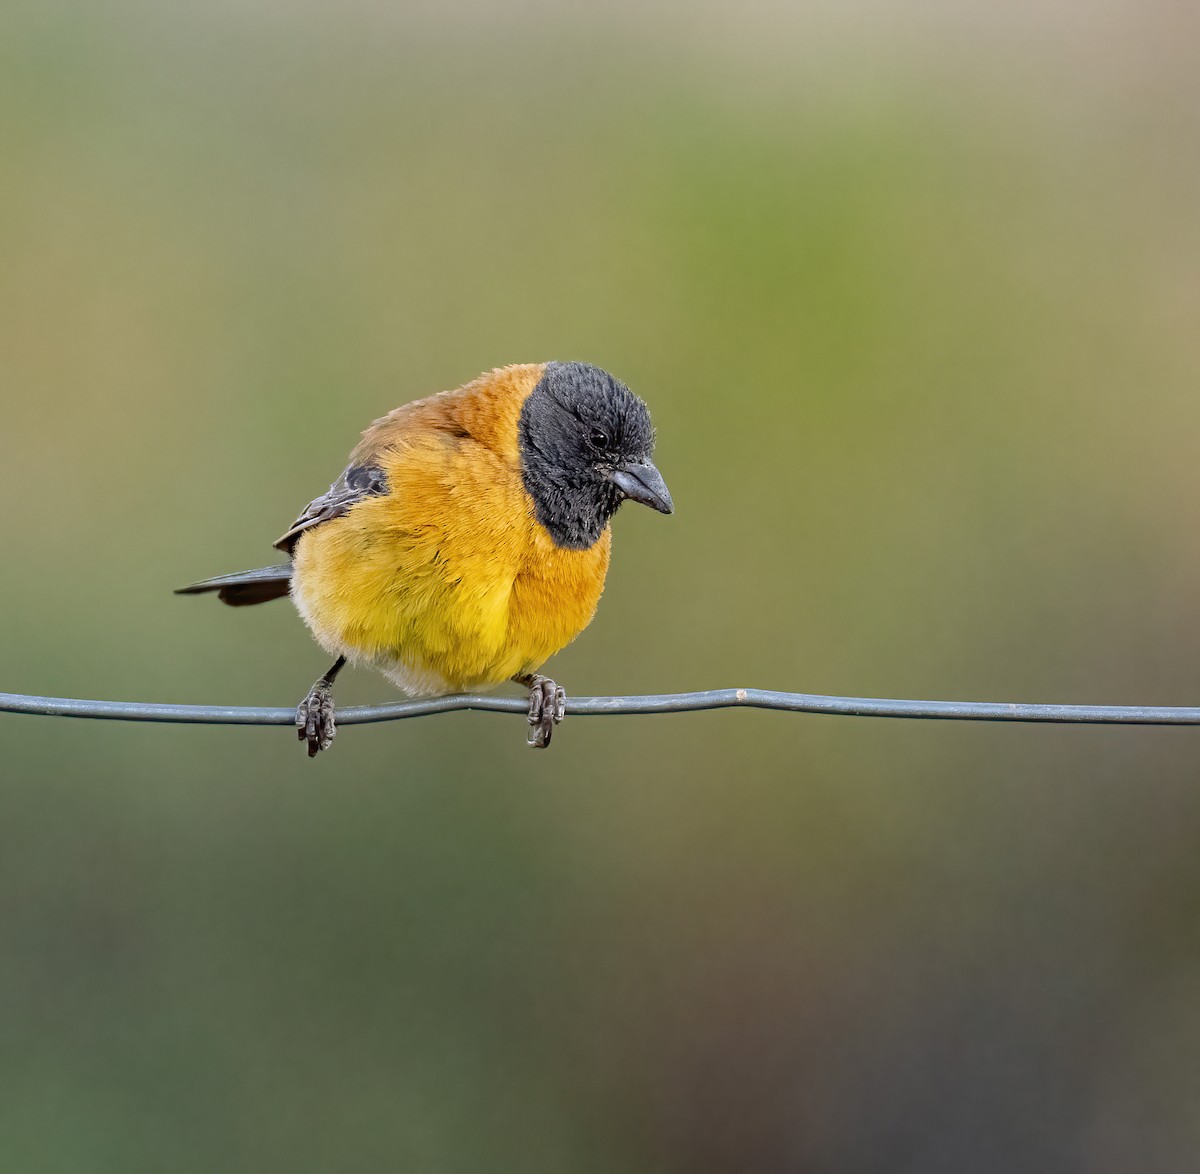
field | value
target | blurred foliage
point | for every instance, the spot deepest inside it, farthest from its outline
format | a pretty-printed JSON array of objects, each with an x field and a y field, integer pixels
[{"x": 914, "y": 304}]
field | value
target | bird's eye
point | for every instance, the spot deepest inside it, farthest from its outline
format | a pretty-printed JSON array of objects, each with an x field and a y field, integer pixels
[{"x": 599, "y": 438}]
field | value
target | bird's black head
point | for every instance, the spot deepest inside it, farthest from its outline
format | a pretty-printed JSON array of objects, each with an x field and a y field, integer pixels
[{"x": 586, "y": 442}]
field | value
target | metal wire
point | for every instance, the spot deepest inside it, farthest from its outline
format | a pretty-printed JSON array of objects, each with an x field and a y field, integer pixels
[{"x": 988, "y": 711}]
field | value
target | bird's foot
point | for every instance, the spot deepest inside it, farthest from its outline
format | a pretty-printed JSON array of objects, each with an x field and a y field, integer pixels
[
  {"x": 314, "y": 718},
  {"x": 547, "y": 707}
]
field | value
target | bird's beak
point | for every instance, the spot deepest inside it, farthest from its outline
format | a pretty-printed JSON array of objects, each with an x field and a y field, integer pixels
[{"x": 644, "y": 483}]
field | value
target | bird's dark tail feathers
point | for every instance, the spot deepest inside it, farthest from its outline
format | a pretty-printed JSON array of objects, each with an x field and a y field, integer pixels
[{"x": 246, "y": 587}]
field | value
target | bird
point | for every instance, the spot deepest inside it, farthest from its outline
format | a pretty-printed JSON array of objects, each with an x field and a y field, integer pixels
[{"x": 467, "y": 540}]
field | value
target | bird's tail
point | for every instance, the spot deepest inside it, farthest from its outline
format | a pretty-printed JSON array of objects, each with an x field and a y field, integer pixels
[{"x": 246, "y": 587}]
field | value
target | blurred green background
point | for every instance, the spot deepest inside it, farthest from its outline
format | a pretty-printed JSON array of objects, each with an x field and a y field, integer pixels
[{"x": 912, "y": 293}]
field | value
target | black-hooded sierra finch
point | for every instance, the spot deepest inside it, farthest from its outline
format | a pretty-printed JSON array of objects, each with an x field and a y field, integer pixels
[{"x": 468, "y": 539}]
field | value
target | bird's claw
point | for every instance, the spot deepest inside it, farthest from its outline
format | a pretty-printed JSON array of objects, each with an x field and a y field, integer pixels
[
  {"x": 547, "y": 707},
  {"x": 314, "y": 719}
]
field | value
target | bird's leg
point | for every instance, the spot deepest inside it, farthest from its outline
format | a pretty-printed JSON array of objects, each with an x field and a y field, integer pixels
[
  {"x": 547, "y": 707},
  {"x": 314, "y": 716}
]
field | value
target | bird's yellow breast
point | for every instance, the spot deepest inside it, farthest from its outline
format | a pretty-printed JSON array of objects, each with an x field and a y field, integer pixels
[{"x": 447, "y": 582}]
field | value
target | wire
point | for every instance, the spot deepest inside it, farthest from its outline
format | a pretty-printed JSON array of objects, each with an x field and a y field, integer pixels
[{"x": 988, "y": 711}]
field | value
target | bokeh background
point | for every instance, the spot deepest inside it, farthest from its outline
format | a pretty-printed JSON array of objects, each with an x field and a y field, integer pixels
[{"x": 912, "y": 291}]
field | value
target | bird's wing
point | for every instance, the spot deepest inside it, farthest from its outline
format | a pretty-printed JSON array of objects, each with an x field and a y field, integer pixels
[{"x": 356, "y": 482}]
